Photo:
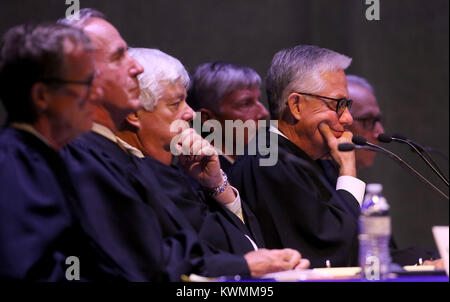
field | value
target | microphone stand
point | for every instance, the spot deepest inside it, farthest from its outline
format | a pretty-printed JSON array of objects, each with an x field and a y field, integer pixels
[
  {"x": 432, "y": 165},
  {"x": 406, "y": 165}
]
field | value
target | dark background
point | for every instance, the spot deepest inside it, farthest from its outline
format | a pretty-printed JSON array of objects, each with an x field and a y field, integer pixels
[{"x": 404, "y": 55}]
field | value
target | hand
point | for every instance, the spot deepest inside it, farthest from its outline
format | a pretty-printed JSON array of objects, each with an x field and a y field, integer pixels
[
  {"x": 345, "y": 160},
  {"x": 303, "y": 264},
  {"x": 265, "y": 261},
  {"x": 199, "y": 159},
  {"x": 438, "y": 264}
]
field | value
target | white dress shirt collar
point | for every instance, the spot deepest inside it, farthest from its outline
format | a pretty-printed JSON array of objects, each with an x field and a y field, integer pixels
[{"x": 30, "y": 129}]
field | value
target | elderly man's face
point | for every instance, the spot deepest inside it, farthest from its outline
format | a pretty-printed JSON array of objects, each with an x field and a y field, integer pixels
[
  {"x": 313, "y": 112},
  {"x": 70, "y": 109},
  {"x": 366, "y": 115},
  {"x": 155, "y": 125},
  {"x": 117, "y": 70}
]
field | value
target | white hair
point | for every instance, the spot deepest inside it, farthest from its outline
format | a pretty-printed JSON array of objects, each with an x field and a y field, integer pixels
[
  {"x": 159, "y": 69},
  {"x": 357, "y": 80},
  {"x": 299, "y": 69}
]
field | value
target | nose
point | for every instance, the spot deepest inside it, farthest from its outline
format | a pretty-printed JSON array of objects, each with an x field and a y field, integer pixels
[
  {"x": 378, "y": 129},
  {"x": 189, "y": 113},
  {"x": 135, "y": 68},
  {"x": 262, "y": 112},
  {"x": 346, "y": 118}
]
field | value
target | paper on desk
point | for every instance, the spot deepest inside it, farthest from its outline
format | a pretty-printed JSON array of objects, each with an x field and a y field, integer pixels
[{"x": 315, "y": 274}]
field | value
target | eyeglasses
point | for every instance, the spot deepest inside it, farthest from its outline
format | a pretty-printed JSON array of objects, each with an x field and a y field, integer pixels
[
  {"x": 88, "y": 82},
  {"x": 369, "y": 123},
  {"x": 341, "y": 104}
]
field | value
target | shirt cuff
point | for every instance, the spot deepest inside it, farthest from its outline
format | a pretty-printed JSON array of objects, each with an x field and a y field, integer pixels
[
  {"x": 235, "y": 207},
  {"x": 353, "y": 185}
]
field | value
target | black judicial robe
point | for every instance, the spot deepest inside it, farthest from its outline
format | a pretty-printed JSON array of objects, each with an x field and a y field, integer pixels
[
  {"x": 224, "y": 163},
  {"x": 131, "y": 216},
  {"x": 38, "y": 229},
  {"x": 295, "y": 209},
  {"x": 213, "y": 222}
]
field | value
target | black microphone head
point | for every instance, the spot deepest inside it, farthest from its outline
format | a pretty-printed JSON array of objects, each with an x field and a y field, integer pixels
[
  {"x": 384, "y": 138},
  {"x": 346, "y": 147},
  {"x": 399, "y": 136},
  {"x": 359, "y": 140}
]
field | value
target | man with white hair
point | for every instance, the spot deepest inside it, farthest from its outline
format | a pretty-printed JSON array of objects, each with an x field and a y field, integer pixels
[
  {"x": 129, "y": 218},
  {"x": 307, "y": 93},
  {"x": 204, "y": 196}
]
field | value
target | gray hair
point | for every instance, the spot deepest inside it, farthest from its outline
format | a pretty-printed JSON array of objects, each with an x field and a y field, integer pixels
[
  {"x": 299, "y": 69},
  {"x": 85, "y": 14},
  {"x": 214, "y": 80},
  {"x": 354, "y": 79},
  {"x": 159, "y": 69}
]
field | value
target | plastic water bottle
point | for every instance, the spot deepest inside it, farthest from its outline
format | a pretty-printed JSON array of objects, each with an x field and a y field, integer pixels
[{"x": 374, "y": 234}]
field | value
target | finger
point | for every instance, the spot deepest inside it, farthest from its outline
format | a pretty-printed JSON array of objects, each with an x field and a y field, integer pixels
[
  {"x": 303, "y": 264},
  {"x": 187, "y": 143},
  {"x": 347, "y": 135},
  {"x": 325, "y": 130},
  {"x": 188, "y": 133},
  {"x": 290, "y": 258},
  {"x": 197, "y": 147},
  {"x": 209, "y": 151}
]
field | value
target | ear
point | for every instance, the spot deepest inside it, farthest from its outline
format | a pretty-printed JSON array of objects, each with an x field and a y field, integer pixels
[
  {"x": 293, "y": 102},
  {"x": 134, "y": 120},
  {"x": 40, "y": 97}
]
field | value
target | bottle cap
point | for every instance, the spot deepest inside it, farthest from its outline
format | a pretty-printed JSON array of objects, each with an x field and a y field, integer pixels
[{"x": 374, "y": 188}]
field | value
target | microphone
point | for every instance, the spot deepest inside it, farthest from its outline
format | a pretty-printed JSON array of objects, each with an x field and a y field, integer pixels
[
  {"x": 387, "y": 139},
  {"x": 346, "y": 147},
  {"x": 361, "y": 141}
]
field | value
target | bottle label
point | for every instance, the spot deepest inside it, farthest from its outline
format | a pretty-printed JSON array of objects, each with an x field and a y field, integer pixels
[{"x": 377, "y": 225}]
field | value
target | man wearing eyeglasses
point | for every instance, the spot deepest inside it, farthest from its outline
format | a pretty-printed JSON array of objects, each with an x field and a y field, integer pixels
[
  {"x": 46, "y": 74},
  {"x": 295, "y": 205},
  {"x": 366, "y": 117}
]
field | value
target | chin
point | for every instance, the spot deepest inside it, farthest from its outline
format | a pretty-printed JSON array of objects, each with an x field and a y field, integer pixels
[{"x": 135, "y": 104}]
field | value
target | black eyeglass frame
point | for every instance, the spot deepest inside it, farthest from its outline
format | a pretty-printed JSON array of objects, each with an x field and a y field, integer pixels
[
  {"x": 89, "y": 82},
  {"x": 373, "y": 121},
  {"x": 347, "y": 103}
]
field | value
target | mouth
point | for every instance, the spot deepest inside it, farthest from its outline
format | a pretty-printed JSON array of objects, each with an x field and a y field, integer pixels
[
  {"x": 336, "y": 132},
  {"x": 135, "y": 91}
]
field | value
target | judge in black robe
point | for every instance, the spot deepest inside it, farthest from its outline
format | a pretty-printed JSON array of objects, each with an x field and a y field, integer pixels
[
  {"x": 296, "y": 209},
  {"x": 214, "y": 222},
  {"x": 116, "y": 192},
  {"x": 38, "y": 227}
]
